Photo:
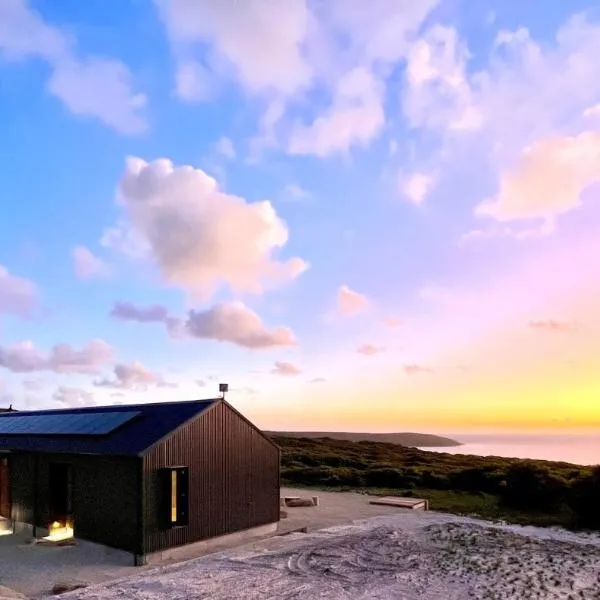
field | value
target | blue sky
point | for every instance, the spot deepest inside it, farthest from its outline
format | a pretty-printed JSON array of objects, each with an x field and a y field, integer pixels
[{"x": 346, "y": 195}]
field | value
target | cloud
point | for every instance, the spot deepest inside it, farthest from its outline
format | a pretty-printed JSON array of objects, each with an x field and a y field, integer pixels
[
  {"x": 281, "y": 52},
  {"x": 18, "y": 296},
  {"x": 295, "y": 192},
  {"x": 437, "y": 92},
  {"x": 548, "y": 180},
  {"x": 592, "y": 111},
  {"x": 392, "y": 322},
  {"x": 355, "y": 117},
  {"x": 257, "y": 44},
  {"x": 519, "y": 98},
  {"x": 88, "y": 266},
  {"x": 370, "y": 349},
  {"x": 193, "y": 82},
  {"x": 125, "y": 311},
  {"x": 285, "y": 369},
  {"x": 416, "y": 369},
  {"x": 200, "y": 238},
  {"x": 318, "y": 380},
  {"x": 134, "y": 376},
  {"x": 225, "y": 147},
  {"x": 89, "y": 86},
  {"x": 24, "y": 357},
  {"x": 234, "y": 322},
  {"x": 230, "y": 322},
  {"x": 201, "y": 383},
  {"x": 551, "y": 325},
  {"x": 72, "y": 397},
  {"x": 416, "y": 187},
  {"x": 349, "y": 302}
]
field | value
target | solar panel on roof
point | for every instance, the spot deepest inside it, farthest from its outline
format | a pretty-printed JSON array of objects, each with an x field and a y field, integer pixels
[{"x": 98, "y": 423}]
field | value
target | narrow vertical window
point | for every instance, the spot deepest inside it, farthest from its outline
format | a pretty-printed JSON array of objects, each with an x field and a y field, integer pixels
[{"x": 175, "y": 494}]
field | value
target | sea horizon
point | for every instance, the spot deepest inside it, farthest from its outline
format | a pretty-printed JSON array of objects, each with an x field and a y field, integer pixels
[{"x": 579, "y": 449}]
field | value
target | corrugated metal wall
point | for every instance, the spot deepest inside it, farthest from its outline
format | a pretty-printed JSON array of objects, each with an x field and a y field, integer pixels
[
  {"x": 234, "y": 479},
  {"x": 105, "y": 495}
]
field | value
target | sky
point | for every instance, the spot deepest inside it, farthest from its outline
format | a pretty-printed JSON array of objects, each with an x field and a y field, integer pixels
[{"x": 376, "y": 216}]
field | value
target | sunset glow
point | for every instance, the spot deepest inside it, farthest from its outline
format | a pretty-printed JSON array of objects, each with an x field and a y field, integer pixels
[{"x": 384, "y": 218}]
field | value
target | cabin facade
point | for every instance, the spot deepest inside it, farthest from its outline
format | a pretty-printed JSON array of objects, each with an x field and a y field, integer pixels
[{"x": 141, "y": 478}]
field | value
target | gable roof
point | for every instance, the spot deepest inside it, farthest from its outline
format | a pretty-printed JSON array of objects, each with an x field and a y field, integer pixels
[{"x": 153, "y": 422}]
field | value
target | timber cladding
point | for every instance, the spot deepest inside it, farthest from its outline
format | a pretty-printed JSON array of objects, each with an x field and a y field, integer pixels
[
  {"x": 169, "y": 474},
  {"x": 103, "y": 491},
  {"x": 233, "y": 479}
]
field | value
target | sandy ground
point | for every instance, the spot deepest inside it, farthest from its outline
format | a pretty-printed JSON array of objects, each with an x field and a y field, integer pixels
[
  {"x": 33, "y": 570},
  {"x": 405, "y": 555}
]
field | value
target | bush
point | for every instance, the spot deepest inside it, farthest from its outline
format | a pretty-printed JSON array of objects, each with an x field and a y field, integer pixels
[
  {"x": 529, "y": 487},
  {"x": 584, "y": 500},
  {"x": 387, "y": 477}
]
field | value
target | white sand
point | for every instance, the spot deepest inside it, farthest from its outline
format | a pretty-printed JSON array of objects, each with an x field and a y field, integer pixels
[{"x": 408, "y": 556}]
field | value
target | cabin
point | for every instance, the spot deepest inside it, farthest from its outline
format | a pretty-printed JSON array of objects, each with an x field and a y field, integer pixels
[{"x": 147, "y": 478}]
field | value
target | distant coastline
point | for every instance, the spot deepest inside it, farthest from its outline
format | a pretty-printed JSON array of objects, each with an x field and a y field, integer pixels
[{"x": 414, "y": 440}]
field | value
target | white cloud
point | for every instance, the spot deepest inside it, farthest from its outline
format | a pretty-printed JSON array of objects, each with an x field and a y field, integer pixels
[
  {"x": 349, "y": 302},
  {"x": 200, "y": 238},
  {"x": 548, "y": 180},
  {"x": 193, "y": 83},
  {"x": 295, "y": 192},
  {"x": 225, "y": 147},
  {"x": 24, "y": 357},
  {"x": 416, "y": 187},
  {"x": 592, "y": 111},
  {"x": 235, "y": 323},
  {"x": 526, "y": 93},
  {"x": 71, "y": 397},
  {"x": 282, "y": 51},
  {"x": 437, "y": 92},
  {"x": 88, "y": 266},
  {"x": 134, "y": 376},
  {"x": 89, "y": 86},
  {"x": 18, "y": 296},
  {"x": 355, "y": 117},
  {"x": 285, "y": 369},
  {"x": 256, "y": 43}
]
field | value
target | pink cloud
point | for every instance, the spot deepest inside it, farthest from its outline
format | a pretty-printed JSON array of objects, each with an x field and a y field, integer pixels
[
  {"x": 350, "y": 302},
  {"x": 370, "y": 349},
  {"x": 285, "y": 369},
  {"x": 551, "y": 325},
  {"x": 416, "y": 369}
]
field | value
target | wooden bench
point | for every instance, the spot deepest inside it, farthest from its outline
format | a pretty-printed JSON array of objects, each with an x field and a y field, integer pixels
[{"x": 401, "y": 502}]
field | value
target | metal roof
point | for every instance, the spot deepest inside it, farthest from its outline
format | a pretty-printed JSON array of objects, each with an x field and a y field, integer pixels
[{"x": 131, "y": 438}]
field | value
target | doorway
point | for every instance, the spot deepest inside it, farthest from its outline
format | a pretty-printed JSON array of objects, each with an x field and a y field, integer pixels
[
  {"x": 60, "y": 497},
  {"x": 4, "y": 488}
]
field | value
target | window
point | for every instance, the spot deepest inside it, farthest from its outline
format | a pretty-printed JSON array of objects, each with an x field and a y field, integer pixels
[{"x": 175, "y": 505}]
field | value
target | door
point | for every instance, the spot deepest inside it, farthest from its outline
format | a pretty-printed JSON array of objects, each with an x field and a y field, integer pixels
[
  {"x": 4, "y": 488},
  {"x": 60, "y": 490}
]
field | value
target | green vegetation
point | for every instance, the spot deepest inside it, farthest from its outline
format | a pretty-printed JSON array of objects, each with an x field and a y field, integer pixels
[
  {"x": 422, "y": 440},
  {"x": 519, "y": 491}
]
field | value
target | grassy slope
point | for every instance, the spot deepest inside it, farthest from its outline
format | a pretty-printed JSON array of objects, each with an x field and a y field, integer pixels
[
  {"x": 371, "y": 466},
  {"x": 405, "y": 439}
]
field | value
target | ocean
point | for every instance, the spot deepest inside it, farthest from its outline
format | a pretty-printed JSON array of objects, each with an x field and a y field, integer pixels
[{"x": 581, "y": 449}]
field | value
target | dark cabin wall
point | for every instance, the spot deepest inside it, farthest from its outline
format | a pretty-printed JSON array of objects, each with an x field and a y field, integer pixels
[
  {"x": 233, "y": 479},
  {"x": 105, "y": 495}
]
